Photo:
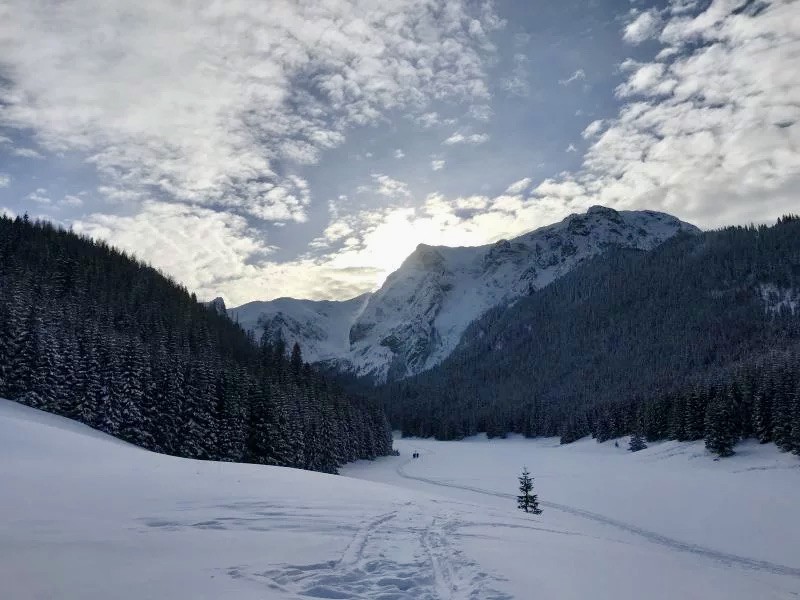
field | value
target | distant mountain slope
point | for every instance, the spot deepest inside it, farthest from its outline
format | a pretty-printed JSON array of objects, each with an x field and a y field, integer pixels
[
  {"x": 633, "y": 340},
  {"x": 89, "y": 333},
  {"x": 418, "y": 316},
  {"x": 322, "y": 327}
]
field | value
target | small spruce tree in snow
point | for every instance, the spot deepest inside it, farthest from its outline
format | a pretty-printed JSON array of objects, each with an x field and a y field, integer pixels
[
  {"x": 720, "y": 429},
  {"x": 527, "y": 501},
  {"x": 637, "y": 442}
]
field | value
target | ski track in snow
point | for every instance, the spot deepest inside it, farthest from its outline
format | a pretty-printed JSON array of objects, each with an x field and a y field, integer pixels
[
  {"x": 401, "y": 555},
  {"x": 651, "y": 536}
]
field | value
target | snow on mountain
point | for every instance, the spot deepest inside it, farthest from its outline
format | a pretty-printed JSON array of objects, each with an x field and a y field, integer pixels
[
  {"x": 416, "y": 319},
  {"x": 322, "y": 327}
]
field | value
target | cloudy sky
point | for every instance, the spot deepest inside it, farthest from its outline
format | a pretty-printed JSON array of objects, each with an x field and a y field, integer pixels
[{"x": 259, "y": 149}]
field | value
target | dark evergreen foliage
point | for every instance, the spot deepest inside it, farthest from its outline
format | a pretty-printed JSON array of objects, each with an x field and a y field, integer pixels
[
  {"x": 636, "y": 442},
  {"x": 699, "y": 338},
  {"x": 92, "y": 334},
  {"x": 527, "y": 501}
]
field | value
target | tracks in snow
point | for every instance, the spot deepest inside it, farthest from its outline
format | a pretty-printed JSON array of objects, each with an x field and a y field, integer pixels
[
  {"x": 355, "y": 549},
  {"x": 400, "y": 555},
  {"x": 656, "y": 538}
]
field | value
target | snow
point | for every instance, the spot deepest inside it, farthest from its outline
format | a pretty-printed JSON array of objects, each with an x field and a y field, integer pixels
[
  {"x": 86, "y": 516},
  {"x": 416, "y": 319},
  {"x": 322, "y": 327},
  {"x": 777, "y": 299}
]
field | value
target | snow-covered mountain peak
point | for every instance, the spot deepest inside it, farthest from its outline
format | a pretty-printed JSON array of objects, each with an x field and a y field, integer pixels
[
  {"x": 419, "y": 314},
  {"x": 322, "y": 327},
  {"x": 424, "y": 257}
]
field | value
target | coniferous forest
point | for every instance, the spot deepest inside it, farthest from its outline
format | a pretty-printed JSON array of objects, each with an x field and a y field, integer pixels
[
  {"x": 697, "y": 339},
  {"x": 94, "y": 335}
]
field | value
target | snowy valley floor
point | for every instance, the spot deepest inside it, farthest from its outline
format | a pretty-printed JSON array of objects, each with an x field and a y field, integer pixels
[{"x": 87, "y": 517}]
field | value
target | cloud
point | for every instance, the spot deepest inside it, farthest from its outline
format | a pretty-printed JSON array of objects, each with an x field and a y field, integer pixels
[
  {"x": 204, "y": 249},
  {"x": 578, "y": 75},
  {"x": 428, "y": 119},
  {"x": 40, "y": 196},
  {"x": 26, "y": 153},
  {"x": 593, "y": 128},
  {"x": 647, "y": 79},
  {"x": 380, "y": 239},
  {"x": 644, "y": 27},
  {"x": 519, "y": 186},
  {"x": 215, "y": 252},
  {"x": 471, "y": 139},
  {"x": 398, "y": 154},
  {"x": 571, "y": 148},
  {"x": 709, "y": 131},
  {"x": 5, "y": 180},
  {"x": 7, "y": 212},
  {"x": 385, "y": 186},
  {"x": 480, "y": 112},
  {"x": 224, "y": 102},
  {"x": 516, "y": 84},
  {"x": 710, "y": 135},
  {"x": 70, "y": 200}
]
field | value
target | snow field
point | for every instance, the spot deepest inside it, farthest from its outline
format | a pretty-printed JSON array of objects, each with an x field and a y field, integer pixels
[{"x": 85, "y": 516}]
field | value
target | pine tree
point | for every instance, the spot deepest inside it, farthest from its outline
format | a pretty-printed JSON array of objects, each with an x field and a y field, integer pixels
[
  {"x": 637, "y": 442},
  {"x": 677, "y": 423},
  {"x": 782, "y": 412},
  {"x": 296, "y": 360},
  {"x": 695, "y": 414},
  {"x": 795, "y": 431},
  {"x": 526, "y": 500},
  {"x": 762, "y": 416},
  {"x": 721, "y": 432}
]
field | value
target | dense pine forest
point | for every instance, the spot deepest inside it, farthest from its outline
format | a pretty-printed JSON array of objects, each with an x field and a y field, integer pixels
[
  {"x": 92, "y": 334},
  {"x": 698, "y": 339}
]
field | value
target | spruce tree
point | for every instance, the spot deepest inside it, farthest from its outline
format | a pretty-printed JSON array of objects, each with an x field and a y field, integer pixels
[
  {"x": 762, "y": 417},
  {"x": 795, "y": 431},
  {"x": 721, "y": 432},
  {"x": 296, "y": 360},
  {"x": 637, "y": 442},
  {"x": 526, "y": 500}
]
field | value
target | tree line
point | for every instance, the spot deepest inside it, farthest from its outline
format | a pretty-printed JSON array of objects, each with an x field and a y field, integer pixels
[
  {"x": 92, "y": 334},
  {"x": 696, "y": 339}
]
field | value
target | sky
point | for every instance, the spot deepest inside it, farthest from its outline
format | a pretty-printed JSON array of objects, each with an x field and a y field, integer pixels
[{"x": 253, "y": 150}]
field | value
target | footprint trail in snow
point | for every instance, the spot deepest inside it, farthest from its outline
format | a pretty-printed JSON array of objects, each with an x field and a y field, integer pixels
[{"x": 401, "y": 555}]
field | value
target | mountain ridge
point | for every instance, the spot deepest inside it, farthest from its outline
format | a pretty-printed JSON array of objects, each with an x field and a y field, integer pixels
[{"x": 417, "y": 317}]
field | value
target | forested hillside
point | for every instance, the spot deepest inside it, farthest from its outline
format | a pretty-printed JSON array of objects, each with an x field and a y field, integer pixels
[
  {"x": 697, "y": 338},
  {"x": 92, "y": 334}
]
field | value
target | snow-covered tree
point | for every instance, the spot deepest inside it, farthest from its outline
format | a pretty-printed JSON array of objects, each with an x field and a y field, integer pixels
[{"x": 636, "y": 442}]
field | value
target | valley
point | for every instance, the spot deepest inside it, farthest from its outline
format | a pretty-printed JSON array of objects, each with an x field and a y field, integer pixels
[
  {"x": 399, "y": 300},
  {"x": 88, "y": 516}
]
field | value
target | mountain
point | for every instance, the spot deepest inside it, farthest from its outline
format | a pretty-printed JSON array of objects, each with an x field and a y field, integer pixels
[
  {"x": 217, "y": 305},
  {"x": 417, "y": 317},
  {"x": 699, "y": 338},
  {"x": 89, "y": 333},
  {"x": 322, "y": 327}
]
